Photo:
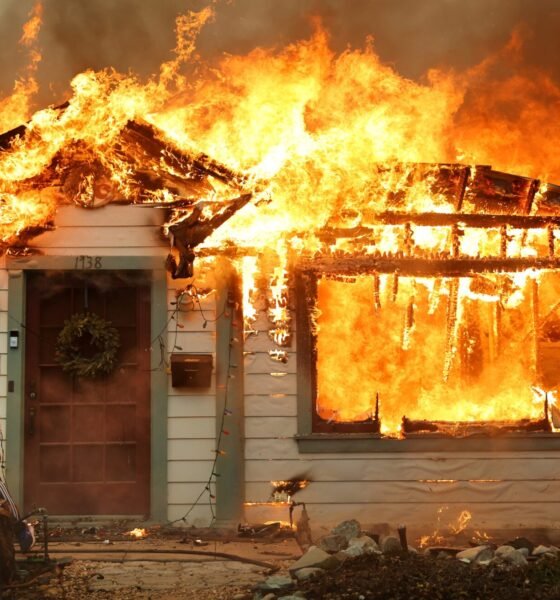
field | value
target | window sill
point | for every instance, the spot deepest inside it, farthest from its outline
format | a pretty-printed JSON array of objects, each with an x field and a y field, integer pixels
[{"x": 332, "y": 443}]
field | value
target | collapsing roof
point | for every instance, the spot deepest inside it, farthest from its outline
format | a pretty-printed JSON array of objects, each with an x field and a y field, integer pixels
[{"x": 140, "y": 166}]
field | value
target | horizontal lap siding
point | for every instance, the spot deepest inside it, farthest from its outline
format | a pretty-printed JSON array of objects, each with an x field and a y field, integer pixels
[
  {"x": 191, "y": 411},
  {"x": 110, "y": 230},
  {"x": 501, "y": 489},
  {"x": 3, "y": 350}
]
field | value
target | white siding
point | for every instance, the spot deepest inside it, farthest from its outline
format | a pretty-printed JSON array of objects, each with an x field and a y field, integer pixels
[
  {"x": 501, "y": 489},
  {"x": 118, "y": 230},
  {"x": 3, "y": 350},
  {"x": 113, "y": 230},
  {"x": 191, "y": 411}
]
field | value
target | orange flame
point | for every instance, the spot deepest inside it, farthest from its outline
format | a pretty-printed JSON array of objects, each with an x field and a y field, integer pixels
[
  {"x": 137, "y": 533},
  {"x": 16, "y": 108},
  {"x": 326, "y": 141}
]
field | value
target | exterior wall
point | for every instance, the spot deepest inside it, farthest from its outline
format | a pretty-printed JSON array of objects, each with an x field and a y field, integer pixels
[
  {"x": 191, "y": 411},
  {"x": 3, "y": 353},
  {"x": 133, "y": 231},
  {"x": 501, "y": 489}
]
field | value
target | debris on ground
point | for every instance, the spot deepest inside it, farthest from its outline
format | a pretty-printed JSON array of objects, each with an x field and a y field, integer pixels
[{"x": 347, "y": 563}]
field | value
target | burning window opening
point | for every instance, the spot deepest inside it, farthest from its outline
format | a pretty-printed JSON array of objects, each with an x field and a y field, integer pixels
[{"x": 468, "y": 366}]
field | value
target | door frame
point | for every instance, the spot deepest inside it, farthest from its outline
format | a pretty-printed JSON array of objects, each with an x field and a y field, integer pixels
[{"x": 17, "y": 267}]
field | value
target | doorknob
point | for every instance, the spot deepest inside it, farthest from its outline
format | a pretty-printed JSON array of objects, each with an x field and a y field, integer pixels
[{"x": 31, "y": 422}]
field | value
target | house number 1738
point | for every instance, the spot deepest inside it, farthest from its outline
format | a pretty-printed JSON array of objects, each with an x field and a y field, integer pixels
[{"x": 88, "y": 262}]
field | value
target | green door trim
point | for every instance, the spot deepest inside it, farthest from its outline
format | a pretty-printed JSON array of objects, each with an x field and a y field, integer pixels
[{"x": 16, "y": 365}]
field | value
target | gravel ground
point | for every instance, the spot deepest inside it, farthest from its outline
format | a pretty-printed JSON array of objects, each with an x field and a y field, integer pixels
[{"x": 421, "y": 577}]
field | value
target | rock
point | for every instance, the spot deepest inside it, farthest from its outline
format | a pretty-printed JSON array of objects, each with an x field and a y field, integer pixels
[
  {"x": 333, "y": 543},
  {"x": 291, "y": 597},
  {"x": 275, "y": 583},
  {"x": 269, "y": 597},
  {"x": 390, "y": 545},
  {"x": 503, "y": 550},
  {"x": 308, "y": 573},
  {"x": 412, "y": 550},
  {"x": 314, "y": 557},
  {"x": 353, "y": 551},
  {"x": 476, "y": 554},
  {"x": 364, "y": 542},
  {"x": 240, "y": 596},
  {"x": 441, "y": 555},
  {"x": 511, "y": 556},
  {"x": 540, "y": 550},
  {"x": 349, "y": 529},
  {"x": 521, "y": 542},
  {"x": 524, "y": 551}
]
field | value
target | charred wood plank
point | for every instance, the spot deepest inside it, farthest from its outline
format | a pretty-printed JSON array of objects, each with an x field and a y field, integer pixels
[
  {"x": 195, "y": 227},
  {"x": 468, "y": 428},
  {"x": 439, "y": 266},
  {"x": 468, "y": 220},
  {"x": 189, "y": 165}
]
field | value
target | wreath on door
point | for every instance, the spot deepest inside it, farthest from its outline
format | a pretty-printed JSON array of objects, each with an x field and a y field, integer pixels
[{"x": 87, "y": 346}]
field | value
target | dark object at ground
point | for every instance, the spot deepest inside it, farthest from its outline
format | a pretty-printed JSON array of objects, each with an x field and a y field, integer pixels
[{"x": 422, "y": 577}]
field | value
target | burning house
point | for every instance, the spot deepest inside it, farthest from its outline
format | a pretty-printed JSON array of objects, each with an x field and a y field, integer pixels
[{"x": 190, "y": 337}]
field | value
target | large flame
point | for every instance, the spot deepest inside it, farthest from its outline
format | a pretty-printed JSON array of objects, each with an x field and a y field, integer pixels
[{"x": 323, "y": 141}]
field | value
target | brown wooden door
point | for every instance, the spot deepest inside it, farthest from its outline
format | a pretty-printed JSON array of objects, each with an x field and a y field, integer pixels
[{"x": 87, "y": 441}]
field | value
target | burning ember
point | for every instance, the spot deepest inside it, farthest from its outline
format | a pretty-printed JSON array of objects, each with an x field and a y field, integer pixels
[
  {"x": 432, "y": 279},
  {"x": 446, "y": 534},
  {"x": 137, "y": 533}
]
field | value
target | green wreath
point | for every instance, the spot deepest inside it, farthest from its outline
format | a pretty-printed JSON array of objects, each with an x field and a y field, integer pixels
[{"x": 87, "y": 346}]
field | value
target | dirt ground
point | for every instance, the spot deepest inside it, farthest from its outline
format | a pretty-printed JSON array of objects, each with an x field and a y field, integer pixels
[
  {"x": 206, "y": 564},
  {"x": 178, "y": 563}
]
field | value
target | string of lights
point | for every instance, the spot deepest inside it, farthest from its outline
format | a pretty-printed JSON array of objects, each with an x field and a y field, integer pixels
[{"x": 218, "y": 452}]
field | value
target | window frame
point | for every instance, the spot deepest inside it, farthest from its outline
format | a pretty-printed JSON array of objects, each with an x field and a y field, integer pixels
[{"x": 314, "y": 435}]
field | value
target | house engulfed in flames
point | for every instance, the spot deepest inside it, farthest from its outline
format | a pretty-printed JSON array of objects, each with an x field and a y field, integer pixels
[{"x": 392, "y": 350}]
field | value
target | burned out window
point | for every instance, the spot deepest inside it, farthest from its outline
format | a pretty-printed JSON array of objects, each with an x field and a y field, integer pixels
[{"x": 407, "y": 356}]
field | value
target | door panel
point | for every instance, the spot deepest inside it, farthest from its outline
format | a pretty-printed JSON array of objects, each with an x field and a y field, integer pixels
[{"x": 87, "y": 441}]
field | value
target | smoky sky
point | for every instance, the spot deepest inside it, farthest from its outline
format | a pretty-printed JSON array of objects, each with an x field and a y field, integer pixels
[{"x": 137, "y": 35}]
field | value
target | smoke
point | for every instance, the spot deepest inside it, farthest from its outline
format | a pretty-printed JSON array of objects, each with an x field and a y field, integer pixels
[{"x": 138, "y": 35}]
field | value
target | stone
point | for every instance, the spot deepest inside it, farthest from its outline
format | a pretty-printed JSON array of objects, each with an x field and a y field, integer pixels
[
  {"x": 333, "y": 543},
  {"x": 510, "y": 555},
  {"x": 353, "y": 551},
  {"x": 540, "y": 550},
  {"x": 364, "y": 542},
  {"x": 476, "y": 554},
  {"x": 291, "y": 597},
  {"x": 314, "y": 557},
  {"x": 391, "y": 545},
  {"x": 270, "y": 596},
  {"x": 349, "y": 529},
  {"x": 503, "y": 550},
  {"x": 275, "y": 583},
  {"x": 524, "y": 551},
  {"x": 308, "y": 573}
]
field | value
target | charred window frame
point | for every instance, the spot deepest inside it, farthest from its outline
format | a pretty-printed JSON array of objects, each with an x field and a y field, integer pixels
[
  {"x": 316, "y": 436},
  {"x": 306, "y": 294}
]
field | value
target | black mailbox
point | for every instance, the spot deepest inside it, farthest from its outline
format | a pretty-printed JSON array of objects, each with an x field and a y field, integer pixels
[{"x": 191, "y": 370}]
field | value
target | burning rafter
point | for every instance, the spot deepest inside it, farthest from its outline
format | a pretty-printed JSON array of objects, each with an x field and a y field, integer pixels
[
  {"x": 423, "y": 266},
  {"x": 139, "y": 167}
]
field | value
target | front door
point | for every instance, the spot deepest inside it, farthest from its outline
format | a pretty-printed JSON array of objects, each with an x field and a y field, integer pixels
[{"x": 87, "y": 441}]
